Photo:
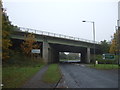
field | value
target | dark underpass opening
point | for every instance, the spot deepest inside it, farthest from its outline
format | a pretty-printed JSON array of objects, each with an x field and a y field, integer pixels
[{"x": 69, "y": 57}]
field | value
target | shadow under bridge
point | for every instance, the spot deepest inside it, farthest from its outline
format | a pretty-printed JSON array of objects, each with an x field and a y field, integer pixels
[{"x": 51, "y": 52}]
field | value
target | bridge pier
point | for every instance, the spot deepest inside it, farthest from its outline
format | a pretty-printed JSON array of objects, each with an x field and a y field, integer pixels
[
  {"x": 46, "y": 51},
  {"x": 88, "y": 55},
  {"x": 54, "y": 55},
  {"x": 85, "y": 55},
  {"x": 49, "y": 54}
]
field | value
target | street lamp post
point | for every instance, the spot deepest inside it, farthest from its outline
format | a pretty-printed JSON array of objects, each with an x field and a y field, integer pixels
[
  {"x": 118, "y": 39},
  {"x": 93, "y": 36}
]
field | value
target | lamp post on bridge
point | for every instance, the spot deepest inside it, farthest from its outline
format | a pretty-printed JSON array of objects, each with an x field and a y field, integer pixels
[{"x": 93, "y": 36}]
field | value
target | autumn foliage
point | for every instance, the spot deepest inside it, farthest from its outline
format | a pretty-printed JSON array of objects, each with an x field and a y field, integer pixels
[
  {"x": 29, "y": 44},
  {"x": 5, "y": 45},
  {"x": 115, "y": 43},
  {"x": 6, "y": 31}
]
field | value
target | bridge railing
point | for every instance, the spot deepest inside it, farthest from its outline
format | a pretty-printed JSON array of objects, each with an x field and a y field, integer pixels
[{"x": 55, "y": 35}]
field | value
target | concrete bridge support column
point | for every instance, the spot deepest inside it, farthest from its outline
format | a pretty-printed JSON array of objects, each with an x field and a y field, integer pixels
[
  {"x": 55, "y": 56},
  {"x": 49, "y": 54},
  {"x": 85, "y": 55},
  {"x": 88, "y": 55},
  {"x": 45, "y": 51}
]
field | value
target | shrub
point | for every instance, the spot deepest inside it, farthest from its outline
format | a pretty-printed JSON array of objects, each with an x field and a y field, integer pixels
[{"x": 101, "y": 61}]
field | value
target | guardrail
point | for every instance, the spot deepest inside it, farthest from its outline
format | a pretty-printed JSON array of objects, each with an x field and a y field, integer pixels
[{"x": 55, "y": 35}]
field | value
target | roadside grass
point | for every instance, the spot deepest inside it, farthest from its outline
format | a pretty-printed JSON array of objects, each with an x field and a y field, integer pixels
[
  {"x": 14, "y": 77},
  {"x": 18, "y": 69},
  {"x": 104, "y": 66},
  {"x": 52, "y": 75}
]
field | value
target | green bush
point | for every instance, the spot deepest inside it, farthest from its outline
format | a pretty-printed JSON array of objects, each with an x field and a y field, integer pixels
[
  {"x": 100, "y": 60},
  {"x": 19, "y": 59}
]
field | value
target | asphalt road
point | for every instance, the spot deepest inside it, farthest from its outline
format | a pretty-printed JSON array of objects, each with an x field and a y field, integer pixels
[{"x": 80, "y": 76}]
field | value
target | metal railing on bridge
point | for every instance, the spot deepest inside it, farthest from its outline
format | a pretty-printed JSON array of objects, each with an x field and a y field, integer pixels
[{"x": 55, "y": 35}]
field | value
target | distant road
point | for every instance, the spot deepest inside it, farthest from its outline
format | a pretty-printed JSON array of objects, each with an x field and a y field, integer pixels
[
  {"x": 80, "y": 76},
  {"x": 69, "y": 60}
]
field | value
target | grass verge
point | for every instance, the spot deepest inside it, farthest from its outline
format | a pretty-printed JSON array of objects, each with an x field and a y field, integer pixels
[
  {"x": 14, "y": 77},
  {"x": 52, "y": 75},
  {"x": 104, "y": 66}
]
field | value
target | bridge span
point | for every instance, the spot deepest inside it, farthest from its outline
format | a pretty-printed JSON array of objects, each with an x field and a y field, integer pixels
[{"x": 53, "y": 43}]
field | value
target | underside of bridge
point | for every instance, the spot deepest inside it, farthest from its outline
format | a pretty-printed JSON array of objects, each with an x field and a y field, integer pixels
[
  {"x": 51, "y": 46},
  {"x": 50, "y": 52}
]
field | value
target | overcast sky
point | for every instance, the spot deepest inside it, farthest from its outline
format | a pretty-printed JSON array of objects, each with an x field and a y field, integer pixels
[{"x": 65, "y": 16}]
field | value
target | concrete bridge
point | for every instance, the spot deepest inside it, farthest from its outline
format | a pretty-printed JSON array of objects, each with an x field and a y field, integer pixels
[{"x": 53, "y": 43}]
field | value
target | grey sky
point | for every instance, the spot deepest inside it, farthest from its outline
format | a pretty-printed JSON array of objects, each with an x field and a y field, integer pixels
[{"x": 65, "y": 17}]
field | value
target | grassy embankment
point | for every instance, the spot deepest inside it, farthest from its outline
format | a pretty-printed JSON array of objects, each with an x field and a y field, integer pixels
[
  {"x": 52, "y": 75},
  {"x": 104, "y": 66},
  {"x": 18, "y": 70},
  {"x": 14, "y": 77}
]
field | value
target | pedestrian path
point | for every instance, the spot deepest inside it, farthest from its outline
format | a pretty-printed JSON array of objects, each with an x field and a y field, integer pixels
[{"x": 36, "y": 80}]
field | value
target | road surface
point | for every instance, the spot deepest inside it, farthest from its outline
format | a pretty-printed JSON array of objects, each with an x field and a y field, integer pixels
[{"x": 80, "y": 76}]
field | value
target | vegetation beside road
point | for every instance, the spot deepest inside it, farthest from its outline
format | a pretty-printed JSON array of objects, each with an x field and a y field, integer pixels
[
  {"x": 18, "y": 63},
  {"x": 100, "y": 59},
  {"x": 16, "y": 71},
  {"x": 14, "y": 77},
  {"x": 52, "y": 75},
  {"x": 104, "y": 66}
]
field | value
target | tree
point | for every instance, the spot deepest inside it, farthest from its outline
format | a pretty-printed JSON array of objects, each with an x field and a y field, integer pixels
[
  {"x": 29, "y": 44},
  {"x": 63, "y": 55},
  {"x": 115, "y": 43},
  {"x": 5, "y": 45},
  {"x": 105, "y": 46},
  {"x": 6, "y": 30},
  {"x": 73, "y": 56}
]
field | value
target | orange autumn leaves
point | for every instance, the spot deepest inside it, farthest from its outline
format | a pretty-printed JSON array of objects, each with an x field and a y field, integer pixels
[
  {"x": 6, "y": 43},
  {"x": 115, "y": 43},
  {"x": 29, "y": 44}
]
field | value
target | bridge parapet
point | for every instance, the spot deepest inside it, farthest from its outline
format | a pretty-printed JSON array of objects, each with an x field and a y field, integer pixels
[{"x": 56, "y": 35}]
